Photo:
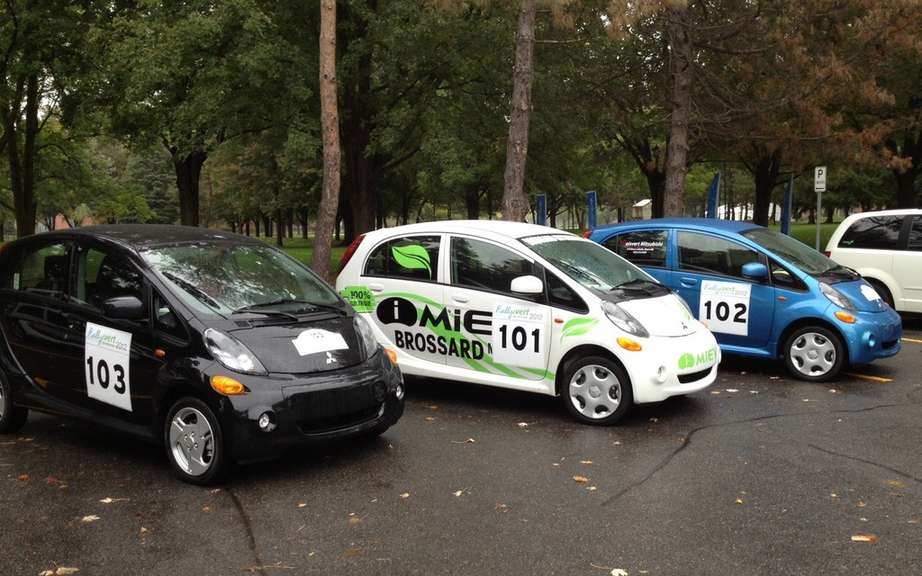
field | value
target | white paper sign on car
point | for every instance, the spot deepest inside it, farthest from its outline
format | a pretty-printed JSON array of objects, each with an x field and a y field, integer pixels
[
  {"x": 519, "y": 334},
  {"x": 107, "y": 363},
  {"x": 724, "y": 307},
  {"x": 315, "y": 341}
]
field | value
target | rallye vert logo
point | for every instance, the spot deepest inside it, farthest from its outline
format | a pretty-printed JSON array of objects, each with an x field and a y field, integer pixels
[
  {"x": 689, "y": 360},
  {"x": 446, "y": 326}
]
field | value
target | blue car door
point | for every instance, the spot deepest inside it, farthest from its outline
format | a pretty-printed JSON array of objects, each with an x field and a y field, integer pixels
[
  {"x": 648, "y": 248},
  {"x": 708, "y": 275}
]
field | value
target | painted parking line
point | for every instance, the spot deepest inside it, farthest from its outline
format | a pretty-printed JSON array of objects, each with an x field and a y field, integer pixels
[
  {"x": 913, "y": 340},
  {"x": 880, "y": 379}
]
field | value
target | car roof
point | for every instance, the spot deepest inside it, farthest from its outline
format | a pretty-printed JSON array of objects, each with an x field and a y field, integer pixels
[
  {"x": 733, "y": 226},
  {"x": 143, "y": 236},
  {"x": 511, "y": 230},
  {"x": 897, "y": 212}
]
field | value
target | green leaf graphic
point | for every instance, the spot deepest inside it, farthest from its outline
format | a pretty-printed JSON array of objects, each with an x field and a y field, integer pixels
[
  {"x": 578, "y": 327},
  {"x": 686, "y": 361},
  {"x": 412, "y": 257}
]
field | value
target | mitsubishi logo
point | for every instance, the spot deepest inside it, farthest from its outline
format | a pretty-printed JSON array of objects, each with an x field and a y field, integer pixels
[
  {"x": 684, "y": 326},
  {"x": 330, "y": 358}
]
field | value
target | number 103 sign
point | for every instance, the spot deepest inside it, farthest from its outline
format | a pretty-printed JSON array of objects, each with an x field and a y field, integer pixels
[{"x": 724, "y": 307}]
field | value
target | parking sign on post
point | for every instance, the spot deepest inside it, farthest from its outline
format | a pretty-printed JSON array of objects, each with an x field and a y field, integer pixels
[{"x": 819, "y": 186}]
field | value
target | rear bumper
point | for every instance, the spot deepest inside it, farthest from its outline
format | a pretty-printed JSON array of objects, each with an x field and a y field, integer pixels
[
  {"x": 313, "y": 409},
  {"x": 673, "y": 366},
  {"x": 874, "y": 335}
]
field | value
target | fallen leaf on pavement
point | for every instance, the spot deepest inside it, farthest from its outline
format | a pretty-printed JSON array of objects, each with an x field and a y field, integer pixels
[
  {"x": 23, "y": 477},
  {"x": 458, "y": 493},
  {"x": 60, "y": 571},
  {"x": 896, "y": 483},
  {"x": 352, "y": 552},
  {"x": 355, "y": 520},
  {"x": 580, "y": 479},
  {"x": 864, "y": 537},
  {"x": 302, "y": 504},
  {"x": 739, "y": 500},
  {"x": 591, "y": 489},
  {"x": 430, "y": 419},
  {"x": 586, "y": 462},
  {"x": 618, "y": 572},
  {"x": 433, "y": 407},
  {"x": 715, "y": 392},
  {"x": 405, "y": 495},
  {"x": 109, "y": 500},
  {"x": 206, "y": 508},
  {"x": 523, "y": 424},
  {"x": 731, "y": 390},
  {"x": 90, "y": 518}
]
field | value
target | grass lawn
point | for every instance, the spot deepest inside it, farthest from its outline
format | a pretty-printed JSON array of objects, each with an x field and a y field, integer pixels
[
  {"x": 806, "y": 233},
  {"x": 303, "y": 250}
]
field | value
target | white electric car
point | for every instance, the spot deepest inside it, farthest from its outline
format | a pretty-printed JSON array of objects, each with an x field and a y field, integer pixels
[{"x": 530, "y": 308}]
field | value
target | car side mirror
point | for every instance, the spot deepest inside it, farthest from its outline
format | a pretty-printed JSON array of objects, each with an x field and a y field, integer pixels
[
  {"x": 755, "y": 271},
  {"x": 124, "y": 308},
  {"x": 527, "y": 285}
]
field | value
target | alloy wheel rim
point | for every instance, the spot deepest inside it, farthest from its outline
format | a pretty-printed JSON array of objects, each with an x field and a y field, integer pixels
[
  {"x": 192, "y": 441},
  {"x": 813, "y": 354},
  {"x": 595, "y": 391}
]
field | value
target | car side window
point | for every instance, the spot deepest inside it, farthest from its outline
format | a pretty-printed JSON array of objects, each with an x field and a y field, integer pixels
[
  {"x": 712, "y": 255},
  {"x": 915, "y": 234},
  {"x": 783, "y": 278},
  {"x": 413, "y": 258},
  {"x": 482, "y": 265},
  {"x": 41, "y": 270},
  {"x": 875, "y": 232},
  {"x": 643, "y": 248},
  {"x": 562, "y": 296},
  {"x": 102, "y": 275}
]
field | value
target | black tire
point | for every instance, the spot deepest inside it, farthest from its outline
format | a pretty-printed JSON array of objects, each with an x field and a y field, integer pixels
[
  {"x": 882, "y": 290},
  {"x": 576, "y": 402},
  {"x": 802, "y": 365},
  {"x": 216, "y": 459},
  {"x": 12, "y": 417}
]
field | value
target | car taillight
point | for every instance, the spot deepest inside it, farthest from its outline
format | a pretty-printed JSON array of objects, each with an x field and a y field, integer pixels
[
  {"x": 827, "y": 253},
  {"x": 587, "y": 233},
  {"x": 347, "y": 255}
]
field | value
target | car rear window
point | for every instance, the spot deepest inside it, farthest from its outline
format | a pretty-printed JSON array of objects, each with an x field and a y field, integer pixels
[
  {"x": 411, "y": 258},
  {"x": 915, "y": 234},
  {"x": 643, "y": 247},
  {"x": 875, "y": 232}
]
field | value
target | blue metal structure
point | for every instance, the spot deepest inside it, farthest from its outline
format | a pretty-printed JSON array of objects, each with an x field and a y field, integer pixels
[
  {"x": 713, "y": 196},
  {"x": 786, "y": 207},
  {"x": 541, "y": 209},
  {"x": 592, "y": 212}
]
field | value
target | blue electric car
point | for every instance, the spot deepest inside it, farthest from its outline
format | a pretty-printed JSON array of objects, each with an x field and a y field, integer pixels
[{"x": 762, "y": 293}]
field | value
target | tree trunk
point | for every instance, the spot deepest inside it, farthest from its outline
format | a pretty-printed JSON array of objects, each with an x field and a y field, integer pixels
[
  {"x": 906, "y": 189},
  {"x": 247, "y": 227},
  {"x": 22, "y": 168},
  {"x": 256, "y": 223},
  {"x": 290, "y": 221},
  {"x": 279, "y": 228},
  {"x": 765, "y": 178},
  {"x": 329, "y": 120},
  {"x": 681, "y": 77},
  {"x": 188, "y": 170},
  {"x": 303, "y": 215},
  {"x": 515, "y": 202}
]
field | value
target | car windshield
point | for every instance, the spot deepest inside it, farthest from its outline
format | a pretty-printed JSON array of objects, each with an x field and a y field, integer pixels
[
  {"x": 228, "y": 278},
  {"x": 792, "y": 250},
  {"x": 586, "y": 262}
]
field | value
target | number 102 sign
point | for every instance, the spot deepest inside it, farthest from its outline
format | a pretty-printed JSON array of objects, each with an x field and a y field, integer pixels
[{"x": 724, "y": 307}]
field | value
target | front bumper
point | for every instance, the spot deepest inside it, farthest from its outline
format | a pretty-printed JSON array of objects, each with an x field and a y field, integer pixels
[
  {"x": 672, "y": 366},
  {"x": 874, "y": 335},
  {"x": 312, "y": 408}
]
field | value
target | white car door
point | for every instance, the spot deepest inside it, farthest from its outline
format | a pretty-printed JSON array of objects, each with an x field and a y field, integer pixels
[
  {"x": 500, "y": 333},
  {"x": 402, "y": 275},
  {"x": 907, "y": 269}
]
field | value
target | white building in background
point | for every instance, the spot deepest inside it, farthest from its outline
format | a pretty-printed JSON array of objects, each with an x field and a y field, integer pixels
[{"x": 642, "y": 210}]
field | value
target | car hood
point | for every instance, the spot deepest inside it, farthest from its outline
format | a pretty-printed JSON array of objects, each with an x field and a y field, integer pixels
[
  {"x": 662, "y": 316},
  {"x": 304, "y": 347},
  {"x": 863, "y": 295}
]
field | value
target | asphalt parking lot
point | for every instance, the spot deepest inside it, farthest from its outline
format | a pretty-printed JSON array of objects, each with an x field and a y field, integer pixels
[{"x": 760, "y": 474}]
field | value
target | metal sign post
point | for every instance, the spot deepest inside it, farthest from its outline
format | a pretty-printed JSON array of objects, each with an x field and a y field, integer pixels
[{"x": 819, "y": 186}]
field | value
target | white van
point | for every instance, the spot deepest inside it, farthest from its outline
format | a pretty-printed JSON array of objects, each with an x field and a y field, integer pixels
[
  {"x": 527, "y": 307},
  {"x": 886, "y": 248}
]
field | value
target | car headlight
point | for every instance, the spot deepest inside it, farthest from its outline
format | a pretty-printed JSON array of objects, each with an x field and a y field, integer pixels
[
  {"x": 623, "y": 320},
  {"x": 231, "y": 353},
  {"x": 366, "y": 336},
  {"x": 836, "y": 297}
]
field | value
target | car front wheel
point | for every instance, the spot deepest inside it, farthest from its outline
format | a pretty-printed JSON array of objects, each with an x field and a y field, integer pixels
[
  {"x": 596, "y": 390},
  {"x": 814, "y": 353},
  {"x": 12, "y": 417},
  {"x": 194, "y": 442}
]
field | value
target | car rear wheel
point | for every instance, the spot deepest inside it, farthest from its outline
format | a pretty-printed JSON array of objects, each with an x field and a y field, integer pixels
[
  {"x": 194, "y": 442},
  {"x": 814, "y": 353},
  {"x": 12, "y": 417},
  {"x": 596, "y": 390}
]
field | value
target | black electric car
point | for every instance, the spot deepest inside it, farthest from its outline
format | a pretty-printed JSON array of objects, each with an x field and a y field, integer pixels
[{"x": 222, "y": 348}]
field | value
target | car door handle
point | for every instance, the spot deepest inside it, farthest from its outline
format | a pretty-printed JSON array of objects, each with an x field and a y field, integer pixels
[
  {"x": 689, "y": 282},
  {"x": 460, "y": 299},
  {"x": 376, "y": 287}
]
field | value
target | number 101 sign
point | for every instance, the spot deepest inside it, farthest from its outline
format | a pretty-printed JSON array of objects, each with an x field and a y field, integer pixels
[
  {"x": 724, "y": 307},
  {"x": 518, "y": 335}
]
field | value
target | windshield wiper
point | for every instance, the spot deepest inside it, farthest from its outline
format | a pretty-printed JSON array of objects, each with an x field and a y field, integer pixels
[
  {"x": 279, "y": 313},
  {"x": 640, "y": 284},
  {"x": 258, "y": 307}
]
